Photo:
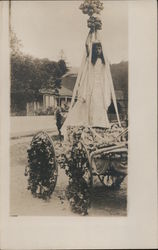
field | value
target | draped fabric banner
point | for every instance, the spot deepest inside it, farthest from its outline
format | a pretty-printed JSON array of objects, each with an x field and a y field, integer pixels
[{"x": 82, "y": 110}]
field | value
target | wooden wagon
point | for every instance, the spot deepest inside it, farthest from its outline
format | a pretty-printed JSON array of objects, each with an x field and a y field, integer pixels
[{"x": 105, "y": 150}]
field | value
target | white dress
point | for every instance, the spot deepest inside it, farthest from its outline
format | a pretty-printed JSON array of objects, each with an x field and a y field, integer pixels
[
  {"x": 94, "y": 91},
  {"x": 90, "y": 110},
  {"x": 98, "y": 112}
]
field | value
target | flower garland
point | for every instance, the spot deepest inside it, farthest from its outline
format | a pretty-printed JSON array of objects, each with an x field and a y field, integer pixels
[
  {"x": 92, "y": 8},
  {"x": 42, "y": 168},
  {"x": 94, "y": 23},
  {"x": 75, "y": 163}
]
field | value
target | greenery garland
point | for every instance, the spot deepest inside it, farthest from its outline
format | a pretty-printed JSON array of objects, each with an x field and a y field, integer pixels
[
  {"x": 75, "y": 163},
  {"x": 42, "y": 168}
]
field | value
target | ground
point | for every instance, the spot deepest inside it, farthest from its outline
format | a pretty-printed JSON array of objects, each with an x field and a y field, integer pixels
[{"x": 104, "y": 202}]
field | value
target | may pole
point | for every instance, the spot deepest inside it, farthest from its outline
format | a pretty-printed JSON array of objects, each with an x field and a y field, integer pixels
[
  {"x": 83, "y": 89},
  {"x": 93, "y": 9}
]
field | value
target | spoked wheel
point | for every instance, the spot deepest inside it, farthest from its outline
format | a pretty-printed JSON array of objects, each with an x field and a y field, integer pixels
[
  {"x": 42, "y": 170},
  {"x": 88, "y": 177},
  {"x": 110, "y": 181},
  {"x": 112, "y": 169},
  {"x": 88, "y": 174}
]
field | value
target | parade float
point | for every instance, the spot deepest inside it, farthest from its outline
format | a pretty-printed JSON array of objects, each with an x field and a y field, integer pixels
[{"x": 92, "y": 147}]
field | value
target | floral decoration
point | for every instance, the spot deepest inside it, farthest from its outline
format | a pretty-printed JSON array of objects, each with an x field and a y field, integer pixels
[
  {"x": 92, "y": 8},
  {"x": 42, "y": 168}
]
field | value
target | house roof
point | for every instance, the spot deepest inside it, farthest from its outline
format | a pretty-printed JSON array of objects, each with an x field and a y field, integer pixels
[
  {"x": 67, "y": 84},
  {"x": 46, "y": 91},
  {"x": 73, "y": 71},
  {"x": 62, "y": 92},
  {"x": 65, "y": 91}
]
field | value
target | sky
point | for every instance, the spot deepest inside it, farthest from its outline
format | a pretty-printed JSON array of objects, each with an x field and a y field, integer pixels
[{"x": 47, "y": 27}]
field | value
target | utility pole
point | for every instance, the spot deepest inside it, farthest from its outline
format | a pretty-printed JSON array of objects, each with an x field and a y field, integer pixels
[
  {"x": 63, "y": 57},
  {"x": 9, "y": 16}
]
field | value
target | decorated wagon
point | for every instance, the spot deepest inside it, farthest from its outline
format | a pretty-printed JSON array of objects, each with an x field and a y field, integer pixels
[
  {"x": 87, "y": 154},
  {"x": 92, "y": 146}
]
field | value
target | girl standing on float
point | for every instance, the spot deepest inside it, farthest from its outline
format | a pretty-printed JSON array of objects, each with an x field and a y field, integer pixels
[{"x": 92, "y": 89}]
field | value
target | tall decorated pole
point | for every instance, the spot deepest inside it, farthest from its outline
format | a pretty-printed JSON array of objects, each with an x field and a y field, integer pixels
[{"x": 93, "y": 9}]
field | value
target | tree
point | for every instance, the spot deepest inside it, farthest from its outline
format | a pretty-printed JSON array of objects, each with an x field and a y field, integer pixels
[
  {"x": 119, "y": 73},
  {"x": 54, "y": 84},
  {"x": 15, "y": 44},
  {"x": 29, "y": 75},
  {"x": 62, "y": 66}
]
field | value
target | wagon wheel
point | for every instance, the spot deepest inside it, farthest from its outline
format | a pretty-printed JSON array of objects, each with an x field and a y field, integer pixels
[
  {"x": 111, "y": 181},
  {"x": 88, "y": 174},
  {"x": 110, "y": 167},
  {"x": 88, "y": 169},
  {"x": 42, "y": 169},
  {"x": 114, "y": 175}
]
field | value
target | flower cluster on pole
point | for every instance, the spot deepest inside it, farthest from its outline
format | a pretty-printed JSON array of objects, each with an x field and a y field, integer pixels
[{"x": 92, "y": 8}]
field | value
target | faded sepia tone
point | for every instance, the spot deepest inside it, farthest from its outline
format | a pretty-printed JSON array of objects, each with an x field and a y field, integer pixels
[
  {"x": 48, "y": 31},
  {"x": 21, "y": 232}
]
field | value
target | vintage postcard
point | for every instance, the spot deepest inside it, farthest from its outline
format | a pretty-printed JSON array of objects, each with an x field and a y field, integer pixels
[
  {"x": 51, "y": 74},
  {"x": 78, "y": 127}
]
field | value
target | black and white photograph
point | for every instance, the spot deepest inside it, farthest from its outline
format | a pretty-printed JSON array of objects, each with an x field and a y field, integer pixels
[
  {"x": 78, "y": 130},
  {"x": 69, "y": 108}
]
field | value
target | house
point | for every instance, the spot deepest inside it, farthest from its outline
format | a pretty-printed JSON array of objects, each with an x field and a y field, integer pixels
[{"x": 50, "y": 100}]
